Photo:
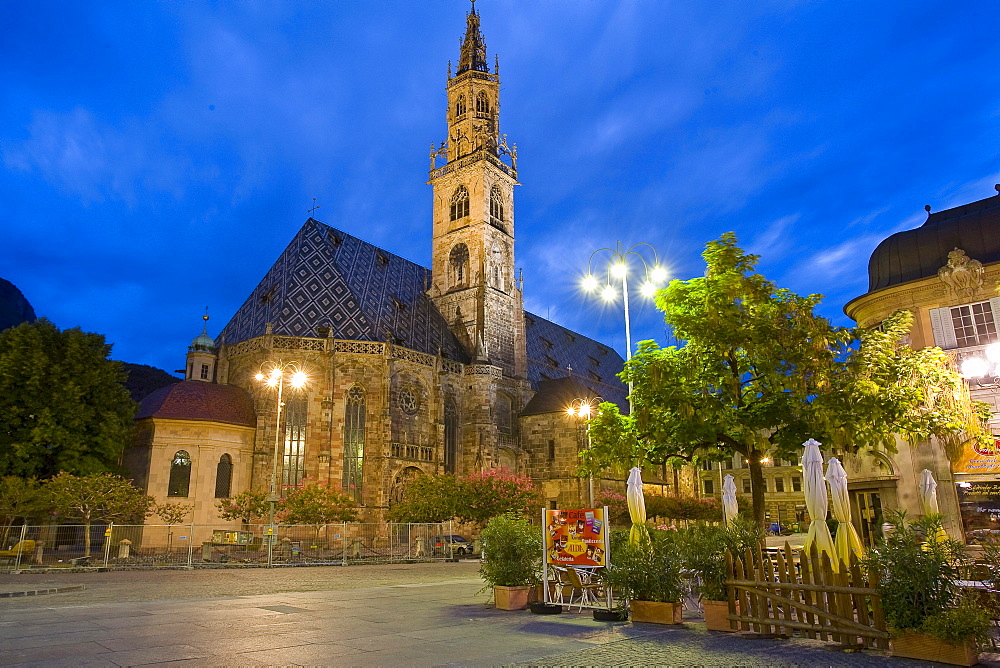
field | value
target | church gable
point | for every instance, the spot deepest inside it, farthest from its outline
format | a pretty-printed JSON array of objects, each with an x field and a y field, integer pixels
[
  {"x": 326, "y": 278},
  {"x": 553, "y": 350}
]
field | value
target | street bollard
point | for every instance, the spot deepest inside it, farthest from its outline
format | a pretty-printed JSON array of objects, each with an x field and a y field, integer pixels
[{"x": 123, "y": 548}]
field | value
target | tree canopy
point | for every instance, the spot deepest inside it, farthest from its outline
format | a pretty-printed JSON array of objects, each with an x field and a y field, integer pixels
[
  {"x": 99, "y": 497},
  {"x": 62, "y": 403},
  {"x": 475, "y": 498},
  {"x": 759, "y": 373}
]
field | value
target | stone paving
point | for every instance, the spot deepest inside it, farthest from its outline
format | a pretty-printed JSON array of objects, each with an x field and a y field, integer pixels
[{"x": 396, "y": 615}]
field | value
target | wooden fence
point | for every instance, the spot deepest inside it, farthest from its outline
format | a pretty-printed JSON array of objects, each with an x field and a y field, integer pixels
[{"x": 775, "y": 594}]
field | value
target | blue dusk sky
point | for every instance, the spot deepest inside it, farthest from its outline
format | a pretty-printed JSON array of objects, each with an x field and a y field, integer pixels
[{"x": 158, "y": 156}]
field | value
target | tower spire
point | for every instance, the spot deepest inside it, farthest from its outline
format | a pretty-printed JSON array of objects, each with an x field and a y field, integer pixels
[{"x": 473, "y": 56}]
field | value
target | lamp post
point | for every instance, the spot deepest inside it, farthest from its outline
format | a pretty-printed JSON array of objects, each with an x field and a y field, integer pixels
[
  {"x": 583, "y": 409},
  {"x": 618, "y": 268},
  {"x": 274, "y": 375}
]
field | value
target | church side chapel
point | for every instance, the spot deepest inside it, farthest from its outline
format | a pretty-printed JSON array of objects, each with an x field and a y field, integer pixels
[{"x": 411, "y": 370}]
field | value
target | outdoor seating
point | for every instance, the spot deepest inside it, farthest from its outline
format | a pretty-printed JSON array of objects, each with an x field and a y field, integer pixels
[{"x": 585, "y": 591}]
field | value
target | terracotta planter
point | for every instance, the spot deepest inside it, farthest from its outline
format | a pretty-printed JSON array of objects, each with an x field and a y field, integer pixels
[
  {"x": 512, "y": 598},
  {"x": 929, "y": 648},
  {"x": 655, "y": 612},
  {"x": 715, "y": 615}
]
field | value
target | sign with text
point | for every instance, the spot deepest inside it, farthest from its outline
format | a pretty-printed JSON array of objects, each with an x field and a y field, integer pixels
[
  {"x": 978, "y": 459},
  {"x": 576, "y": 537}
]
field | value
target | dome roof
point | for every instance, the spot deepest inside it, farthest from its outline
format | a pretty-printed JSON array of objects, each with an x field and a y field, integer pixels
[
  {"x": 202, "y": 342},
  {"x": 919, "y": 253},
  {"x": 198, "y": 400}
]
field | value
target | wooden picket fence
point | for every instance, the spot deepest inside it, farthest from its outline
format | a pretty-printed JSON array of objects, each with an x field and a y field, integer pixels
[{"x": 775, "y": 594}]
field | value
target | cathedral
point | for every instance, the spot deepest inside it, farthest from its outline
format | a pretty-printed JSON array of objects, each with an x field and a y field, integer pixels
[{"x": 408, "y": 370}]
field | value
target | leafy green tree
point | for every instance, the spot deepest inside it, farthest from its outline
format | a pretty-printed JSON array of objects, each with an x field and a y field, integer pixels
[
  {"x": 428, "y": 498},
  {"x": 19, "y": 497},
  {"x": 316, "y": 503},
  {"x": 62, "y": 403},
  {"x": 475, "y": 498},
  {"x": 172, "y": 513},
  {"x": 759, "y": 373},
  {"x": 99, "y": 497},
  {"x": 245, "y": 506}
]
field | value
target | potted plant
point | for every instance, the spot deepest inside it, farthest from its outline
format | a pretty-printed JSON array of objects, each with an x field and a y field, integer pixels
[
  {"x": 511, "y": 563},
  {"x": 704, "y": 549},
  {"x": 923, "y": 607},
  {"x": 647, "y": 577}
]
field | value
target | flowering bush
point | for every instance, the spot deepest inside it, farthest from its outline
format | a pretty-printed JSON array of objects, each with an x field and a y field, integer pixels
[{"x": 617, "y": 506}]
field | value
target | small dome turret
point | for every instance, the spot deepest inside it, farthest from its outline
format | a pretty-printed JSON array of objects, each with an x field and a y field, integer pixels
[{"x": 201, "y": 355}]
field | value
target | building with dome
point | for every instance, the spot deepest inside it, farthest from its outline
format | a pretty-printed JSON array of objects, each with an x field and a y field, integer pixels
[
  {"x": 947, "y": 273},
  {"x": 411, "y": 370}
]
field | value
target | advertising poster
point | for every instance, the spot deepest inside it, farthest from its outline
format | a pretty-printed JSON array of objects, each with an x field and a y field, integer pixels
[
  {"x": 978, "y": 459},
  {"x": 575, "y": 537}
]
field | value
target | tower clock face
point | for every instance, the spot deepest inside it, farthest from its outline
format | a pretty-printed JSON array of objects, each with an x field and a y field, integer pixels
[{"x": 408, "y": 401}]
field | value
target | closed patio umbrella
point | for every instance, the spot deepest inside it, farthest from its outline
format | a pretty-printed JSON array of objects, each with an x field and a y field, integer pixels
[
  {"x": 928, "y": 497},
  {"x": 636, "y": 505},
  {"x": 729, "y": 505},
  {"x": 814, "y": 488},
  {"x": 847, "y": 541}
]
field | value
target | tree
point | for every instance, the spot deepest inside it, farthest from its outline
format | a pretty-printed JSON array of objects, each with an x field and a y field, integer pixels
[
  {"x": 475, "y": 498},
  {"x": 172, "y": 513},
  {"x": 759, "y": 373},
  {"x": 99, "y": 497},
  {"x": 245, "y": 506},
  {"x": 428, "y": 498},
  {"x": 62, "y": 403},
  {"x": 19, "y": 497},
  {"x": 316, "y": 503}
]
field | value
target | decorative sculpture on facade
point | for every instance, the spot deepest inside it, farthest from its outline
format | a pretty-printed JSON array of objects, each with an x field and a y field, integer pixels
[{"x": 962, "y": 276}]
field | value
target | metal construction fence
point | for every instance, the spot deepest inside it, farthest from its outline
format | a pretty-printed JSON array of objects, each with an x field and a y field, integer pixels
[{"x": 204, "y": 546}]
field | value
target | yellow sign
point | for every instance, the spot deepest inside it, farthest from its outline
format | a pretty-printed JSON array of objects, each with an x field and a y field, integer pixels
[{"x": 979, "y": 459}]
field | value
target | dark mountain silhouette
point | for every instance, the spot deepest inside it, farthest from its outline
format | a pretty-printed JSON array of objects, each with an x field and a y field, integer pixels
[
  {"x": 14, "y": 308},
  {"x": 143, "y": 380}
]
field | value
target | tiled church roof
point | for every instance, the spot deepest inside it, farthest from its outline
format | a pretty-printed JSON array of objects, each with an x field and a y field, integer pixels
[
  {"x": 328, "y": 278},
  {"x": 198, "y": 400},
  {"x": 557, "y": 352}
]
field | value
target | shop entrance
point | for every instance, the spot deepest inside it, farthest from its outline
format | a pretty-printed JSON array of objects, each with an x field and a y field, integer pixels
[{"x": 870, "y": 516}]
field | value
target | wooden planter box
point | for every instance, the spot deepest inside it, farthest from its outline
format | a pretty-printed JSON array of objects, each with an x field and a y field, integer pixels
[
  {"x": 655, "y": 612},
  {"x": 929, "y": 648},
  {"x": 512, "y": 598},
  {"x": 715, "y": 615}
]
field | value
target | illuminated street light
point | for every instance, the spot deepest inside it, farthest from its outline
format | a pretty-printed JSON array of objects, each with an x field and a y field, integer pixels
[
  {"x": 584, "y": 409},
  {"x": 274, "y": 375},
  {"x": 983, "y": 369}
]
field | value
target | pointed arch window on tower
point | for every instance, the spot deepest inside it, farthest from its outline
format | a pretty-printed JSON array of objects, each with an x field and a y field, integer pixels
[
  {"x": 498, "y": 260},
  {"x": 460, "y": 203},
  {"x": 450, "y": 436},
  {"x": 295, "y": 442},
  {"x": 354, "y": 442},
  {"x": 460, "y": 108},
  {"x": 482, "y": 104},
  {"x": 458, "y": 265},
  {"x": 496, "y": 207}
]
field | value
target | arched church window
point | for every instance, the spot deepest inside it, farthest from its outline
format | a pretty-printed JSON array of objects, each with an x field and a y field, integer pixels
[
  {"x": 180, "y": 474},
  {"x": 293, "y": 469},
  {"x": 450, "y": 436},
  {"x": 482, "y": 103},
  {"x": 354, "y": 442},
  {"x": 505, "y": 413},
  {"x": 460, "y": 203},
  {"x": 458, "y": 264},
  {"x": 460, "y": 105},
  {"x": 224, "y": 477},
  {"x": 496, "y": 207}
]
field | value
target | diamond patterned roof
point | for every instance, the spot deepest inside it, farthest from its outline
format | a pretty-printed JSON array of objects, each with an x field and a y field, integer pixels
[{"x": 328, "y": 278}]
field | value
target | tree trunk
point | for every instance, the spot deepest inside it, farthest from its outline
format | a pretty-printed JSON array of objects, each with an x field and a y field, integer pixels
[
  {"x": 757, "y": 486},
  {"x": 86, "y": 534}
]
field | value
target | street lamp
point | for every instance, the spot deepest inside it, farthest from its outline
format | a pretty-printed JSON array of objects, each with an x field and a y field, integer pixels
[
  {"x": 584, "y": 409},
  {"x": 618, "y": 269},
  {"x": 274, "y": 375},
  {"x": 982, "y": 369}
]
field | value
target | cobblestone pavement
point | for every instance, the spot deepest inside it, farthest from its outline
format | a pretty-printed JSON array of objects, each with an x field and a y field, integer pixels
[{"x": 390, "y": 615}]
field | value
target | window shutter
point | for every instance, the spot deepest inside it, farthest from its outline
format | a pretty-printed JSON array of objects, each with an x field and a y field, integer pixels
[
  {"x": 995, "y": 307},
  {"x": 944, "y": 331}
]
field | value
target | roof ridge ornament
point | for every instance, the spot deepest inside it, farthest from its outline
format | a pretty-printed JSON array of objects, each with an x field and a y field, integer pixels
[{"x": 962, "y": 276}]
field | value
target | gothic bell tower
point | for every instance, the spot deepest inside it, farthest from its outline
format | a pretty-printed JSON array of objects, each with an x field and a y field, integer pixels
[{"x": 473, "y": 237}]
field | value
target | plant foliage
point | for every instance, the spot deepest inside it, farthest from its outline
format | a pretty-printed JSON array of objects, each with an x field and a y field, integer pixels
[
  {"x": 63, "y": 406},
  {"x": 316, "y": 503},
  {"x": 474, "y": 498},
  {"x": 704, "y": 550},
  {"x": 759, "y": 373},
  {"x": 246, "y": 506},
  {"x": 512, "y": 552},
  {"x": 647, "y": 571},
  {"x": 99, "y": 497}
]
